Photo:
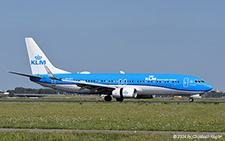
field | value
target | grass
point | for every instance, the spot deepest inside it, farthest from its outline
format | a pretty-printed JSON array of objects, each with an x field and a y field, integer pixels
[
  {"x": 96, "y": 98},
  {"x": 40, "y": 136},
  {"x": 114, "y": 116}
]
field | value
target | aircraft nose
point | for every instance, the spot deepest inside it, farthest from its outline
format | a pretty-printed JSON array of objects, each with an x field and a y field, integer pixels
[{"x": 208, "y": 87}]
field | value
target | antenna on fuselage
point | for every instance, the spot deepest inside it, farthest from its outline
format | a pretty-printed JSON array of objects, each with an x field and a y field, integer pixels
[{"x": 122, "y": 72}]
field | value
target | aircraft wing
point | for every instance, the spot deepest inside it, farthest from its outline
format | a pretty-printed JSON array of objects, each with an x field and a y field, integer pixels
[{"x": 82, "y": 84}]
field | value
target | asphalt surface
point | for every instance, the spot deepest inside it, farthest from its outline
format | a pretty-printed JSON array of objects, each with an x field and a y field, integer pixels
[
  {"x": 223, "y": 102},
  {"x": 110, "y": 131}
]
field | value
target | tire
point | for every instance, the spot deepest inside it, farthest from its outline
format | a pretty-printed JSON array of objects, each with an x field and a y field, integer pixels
[
  {"x": 191, "y": 99},
  {"x": 107, "y": 98},
  {"x": 119, "y": 99}
]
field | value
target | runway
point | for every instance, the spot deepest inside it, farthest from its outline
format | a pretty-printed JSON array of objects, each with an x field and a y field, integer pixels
[
  {"x": 111, "y": 131},
  {"x": 61, "y": 101}
]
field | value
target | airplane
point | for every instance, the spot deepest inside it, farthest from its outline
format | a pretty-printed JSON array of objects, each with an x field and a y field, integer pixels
[{"x": 118, "y": 85}]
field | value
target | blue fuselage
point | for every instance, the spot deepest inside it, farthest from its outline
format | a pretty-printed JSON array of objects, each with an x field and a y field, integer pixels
[{"x": 168, "y": 81}]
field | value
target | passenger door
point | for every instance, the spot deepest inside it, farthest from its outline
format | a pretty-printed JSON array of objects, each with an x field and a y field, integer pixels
[{"x": 186, "y": 82}]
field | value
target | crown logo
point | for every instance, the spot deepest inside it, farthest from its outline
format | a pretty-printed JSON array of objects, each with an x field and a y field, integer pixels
[{"x": 38, "y": 57}]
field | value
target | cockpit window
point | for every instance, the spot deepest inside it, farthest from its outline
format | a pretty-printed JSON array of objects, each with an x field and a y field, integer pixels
[{"x": 199, "y": 81}]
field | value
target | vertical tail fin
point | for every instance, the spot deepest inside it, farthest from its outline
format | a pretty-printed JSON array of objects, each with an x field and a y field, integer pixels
[{"x": 38, "y": 59}]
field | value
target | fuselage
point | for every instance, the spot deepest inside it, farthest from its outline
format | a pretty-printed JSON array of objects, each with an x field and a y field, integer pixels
[{"x": 145, "y": 84}]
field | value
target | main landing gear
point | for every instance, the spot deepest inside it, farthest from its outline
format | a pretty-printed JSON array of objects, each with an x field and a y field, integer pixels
[
  {"x": 108, "y": 98},
  {"x": 119, "y": 99},
  {"x": 191, "y": 99}
]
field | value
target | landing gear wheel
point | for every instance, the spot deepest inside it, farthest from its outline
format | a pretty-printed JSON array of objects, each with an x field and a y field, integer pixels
[
  {"x": 108, "y": 98},
  {"x": 119, "y": 99},
  {"x": 191, "y": 99}
]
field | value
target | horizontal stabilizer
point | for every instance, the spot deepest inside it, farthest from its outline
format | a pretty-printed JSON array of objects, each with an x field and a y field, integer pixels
[{"x": 27, "y": 75}]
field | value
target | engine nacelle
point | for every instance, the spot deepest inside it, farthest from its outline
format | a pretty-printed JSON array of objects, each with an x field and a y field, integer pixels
[
  {"x": 196, "y": 96},
  {"x": 124, "y": 93}
]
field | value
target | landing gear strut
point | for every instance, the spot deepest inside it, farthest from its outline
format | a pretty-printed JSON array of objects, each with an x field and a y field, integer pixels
[
  {"x": 119, "y": 99},
  {"x": 108, "y": 98},
  {"x": 191, "y": 99}
]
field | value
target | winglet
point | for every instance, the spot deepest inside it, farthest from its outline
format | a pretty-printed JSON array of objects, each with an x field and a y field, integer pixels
[{"x": 50, "y": 74}]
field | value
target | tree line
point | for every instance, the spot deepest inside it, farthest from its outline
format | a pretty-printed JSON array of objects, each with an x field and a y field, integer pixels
[{"x": 21, "y": 90}]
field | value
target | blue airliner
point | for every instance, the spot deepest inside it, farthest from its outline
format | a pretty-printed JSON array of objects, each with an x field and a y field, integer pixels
[{"x": 119, "y": 86}]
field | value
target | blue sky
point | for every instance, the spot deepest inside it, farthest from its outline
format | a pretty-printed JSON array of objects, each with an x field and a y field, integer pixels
[{"x": 178, "y": 37}]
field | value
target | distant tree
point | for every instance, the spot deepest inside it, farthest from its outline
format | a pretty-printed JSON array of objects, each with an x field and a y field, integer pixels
[{"x": 11, "y": 94}]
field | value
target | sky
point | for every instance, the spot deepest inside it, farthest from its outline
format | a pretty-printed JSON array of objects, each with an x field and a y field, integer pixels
[{"x": 102, "y": 36}]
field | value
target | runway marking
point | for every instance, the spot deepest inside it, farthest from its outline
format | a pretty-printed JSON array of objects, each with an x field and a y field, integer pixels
[
  {"x": 213, "y": 102},
  {"x": 110, "y": 131}
]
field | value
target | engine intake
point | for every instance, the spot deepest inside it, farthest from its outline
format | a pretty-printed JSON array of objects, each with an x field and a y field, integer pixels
[{"x": 124, "y": 93}]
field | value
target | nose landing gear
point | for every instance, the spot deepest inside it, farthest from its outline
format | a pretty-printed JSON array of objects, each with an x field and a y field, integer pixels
[{"x": 191, "y": 99}]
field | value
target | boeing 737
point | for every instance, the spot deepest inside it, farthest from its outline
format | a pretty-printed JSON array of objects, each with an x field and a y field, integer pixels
[{"x": 119, "y": 86}]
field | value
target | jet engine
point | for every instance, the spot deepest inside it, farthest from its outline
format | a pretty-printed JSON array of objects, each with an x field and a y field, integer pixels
[{"x": 125, "y": 92}]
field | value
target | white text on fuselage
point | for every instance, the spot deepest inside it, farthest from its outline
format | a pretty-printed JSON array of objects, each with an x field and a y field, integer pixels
[{"x": 153, "y": 78}]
